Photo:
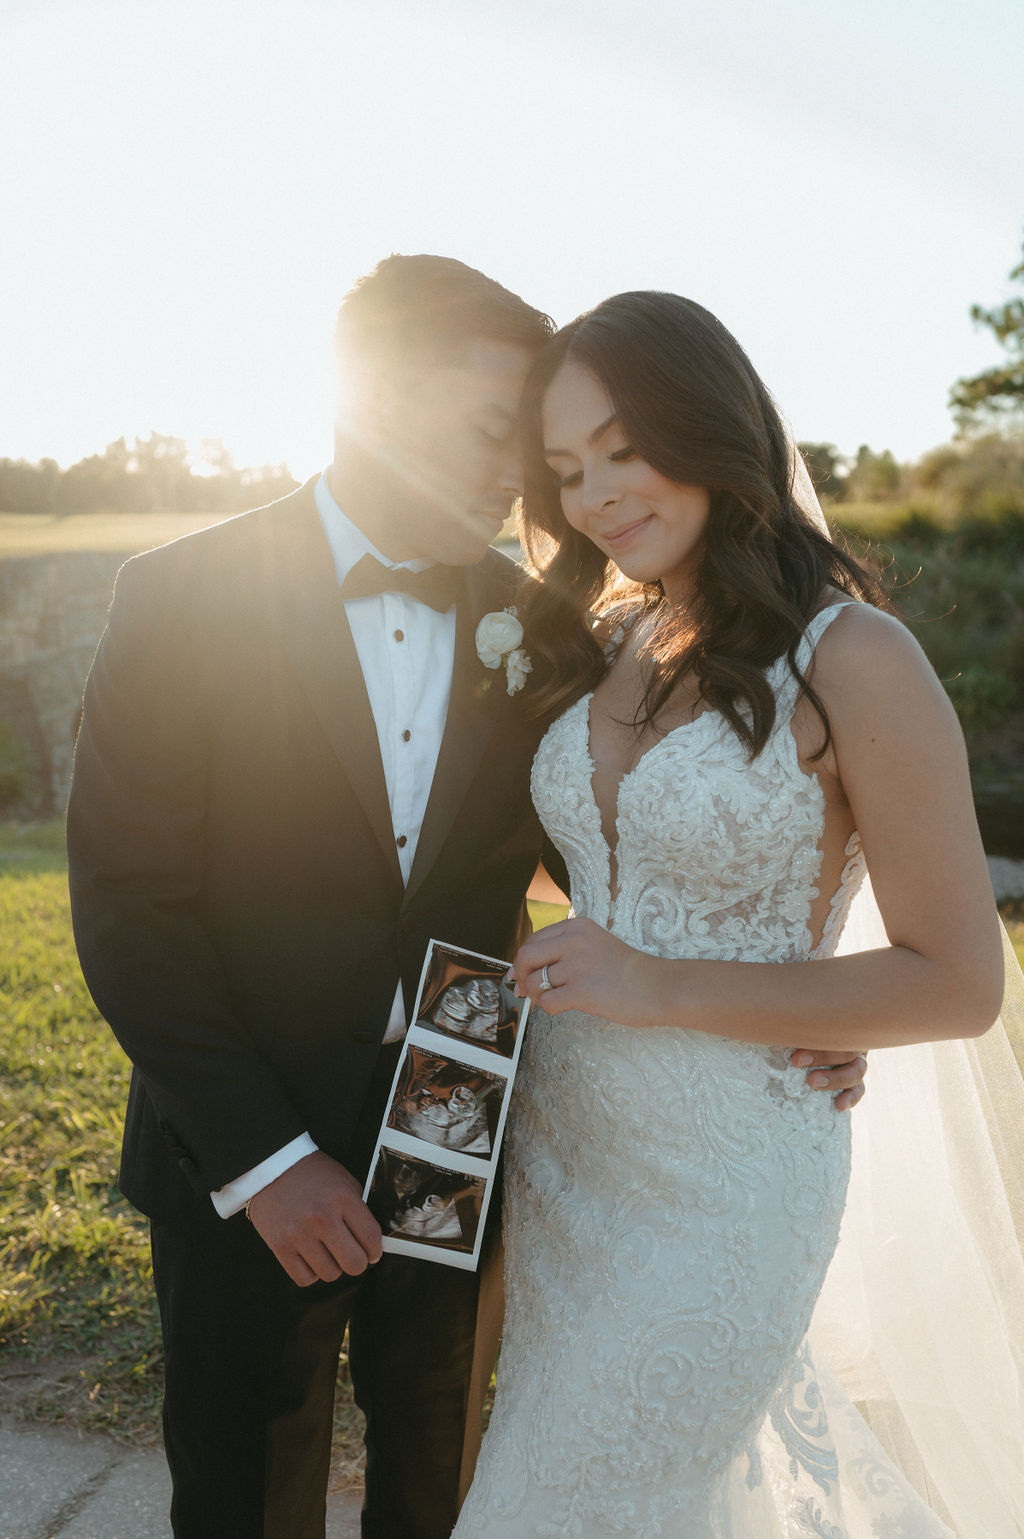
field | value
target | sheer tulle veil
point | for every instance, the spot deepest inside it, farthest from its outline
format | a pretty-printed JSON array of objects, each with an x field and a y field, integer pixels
[{"x": 921, "y": 1321}]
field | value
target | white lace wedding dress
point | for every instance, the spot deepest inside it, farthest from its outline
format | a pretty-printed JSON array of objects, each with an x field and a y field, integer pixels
[{"x": 672, "y": 1199}]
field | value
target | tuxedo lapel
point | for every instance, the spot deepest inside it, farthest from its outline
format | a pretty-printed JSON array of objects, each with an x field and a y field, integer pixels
[
  {"x": 314, "y": 631},
  {"x": 474, "y": 713}
]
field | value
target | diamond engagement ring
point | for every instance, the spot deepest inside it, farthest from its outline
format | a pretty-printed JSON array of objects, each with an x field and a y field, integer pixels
[{"x": 545, "y": 981}]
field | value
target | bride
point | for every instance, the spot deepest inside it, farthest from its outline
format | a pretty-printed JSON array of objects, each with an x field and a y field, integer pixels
[{"x": 741, "y": 738}]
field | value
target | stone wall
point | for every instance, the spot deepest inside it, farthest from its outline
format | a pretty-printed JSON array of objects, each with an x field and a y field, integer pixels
[{"x": 52, "y": 612}]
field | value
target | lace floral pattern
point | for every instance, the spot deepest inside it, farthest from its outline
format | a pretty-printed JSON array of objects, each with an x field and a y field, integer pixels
[{"x": 672, "y": 1199}]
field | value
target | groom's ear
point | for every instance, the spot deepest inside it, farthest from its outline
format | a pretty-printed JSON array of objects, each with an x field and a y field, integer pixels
[
  {"x": 373, "y": 404},
  {"x": 362, "y": 405},
  {"x": 399, "y": 407}
]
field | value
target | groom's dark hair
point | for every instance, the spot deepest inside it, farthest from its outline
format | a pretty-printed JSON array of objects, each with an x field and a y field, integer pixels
[{"x": 425, "y": 309}]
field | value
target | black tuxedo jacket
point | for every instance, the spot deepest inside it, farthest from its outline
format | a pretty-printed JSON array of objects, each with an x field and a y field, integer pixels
[{"x": 238, "y": 906}]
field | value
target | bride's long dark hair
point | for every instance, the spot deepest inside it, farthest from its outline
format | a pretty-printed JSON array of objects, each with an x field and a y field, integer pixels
[{"x": 690, "y": 403}]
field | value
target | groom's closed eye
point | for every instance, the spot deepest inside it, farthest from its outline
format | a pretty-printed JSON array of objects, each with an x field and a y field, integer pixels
[{"x": 496, "y": 427}]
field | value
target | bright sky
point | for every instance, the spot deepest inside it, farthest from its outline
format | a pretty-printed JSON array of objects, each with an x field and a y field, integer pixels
[{"x": 188, "y": 187}]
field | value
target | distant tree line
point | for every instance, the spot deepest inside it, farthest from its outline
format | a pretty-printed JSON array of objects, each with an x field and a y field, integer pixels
[
  {"x": 973, "y": 475},
  {"x": 147, "y": 475},
  {"x": 981, "y": 474}
]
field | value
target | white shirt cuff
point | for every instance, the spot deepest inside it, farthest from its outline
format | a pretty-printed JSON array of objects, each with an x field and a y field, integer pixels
[{"x": 232, "y": 1198}]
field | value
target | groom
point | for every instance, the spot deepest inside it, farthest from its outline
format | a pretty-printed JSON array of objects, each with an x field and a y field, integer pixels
[{"x": 293, "y": 772}]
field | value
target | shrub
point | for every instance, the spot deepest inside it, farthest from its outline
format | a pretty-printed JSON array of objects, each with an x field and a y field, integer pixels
[
  {"x": 15, "y": 768},
  {"x": 982, "y": 698}
]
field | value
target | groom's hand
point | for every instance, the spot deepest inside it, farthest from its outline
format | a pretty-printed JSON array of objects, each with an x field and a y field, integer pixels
[
  {"x": 315, "y": 1221},
  {"x": 845, "y": 1079}
]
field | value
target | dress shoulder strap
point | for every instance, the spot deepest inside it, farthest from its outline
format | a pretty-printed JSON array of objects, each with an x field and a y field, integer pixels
[
  {"x": 816, "y": 628},
  {"x": 787, "y": 690}
]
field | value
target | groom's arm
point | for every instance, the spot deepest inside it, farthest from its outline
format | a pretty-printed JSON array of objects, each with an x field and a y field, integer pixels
[
  {"x": 136, "y": 820},
  {"x": 136, "y": 824},
  {"x": 136, "y": 841}
]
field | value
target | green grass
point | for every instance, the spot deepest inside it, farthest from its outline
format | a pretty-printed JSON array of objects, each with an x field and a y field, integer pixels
[
  {"x": 74, "y": 1258},
  {"x": 34, "y": 534},
  {"x": 543, "y": 914}
]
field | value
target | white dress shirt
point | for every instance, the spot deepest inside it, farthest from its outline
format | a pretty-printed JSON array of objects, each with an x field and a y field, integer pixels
[{"x": 406, "y": 651}]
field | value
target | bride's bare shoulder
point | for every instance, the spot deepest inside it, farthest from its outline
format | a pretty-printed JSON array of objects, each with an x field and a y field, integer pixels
[
  {"x": 861, "y": 632},
  {"x": 867, "y": 658}
]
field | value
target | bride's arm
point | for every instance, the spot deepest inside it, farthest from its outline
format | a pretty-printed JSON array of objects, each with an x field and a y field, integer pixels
[{"x": 901, "y": 759}]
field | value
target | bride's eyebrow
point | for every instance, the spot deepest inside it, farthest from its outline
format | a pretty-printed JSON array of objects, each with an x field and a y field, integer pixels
[{"x": 592, "y": 438}]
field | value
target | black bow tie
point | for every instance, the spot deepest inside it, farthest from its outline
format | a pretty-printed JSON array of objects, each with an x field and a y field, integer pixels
[{"x": 435, "y": 586}]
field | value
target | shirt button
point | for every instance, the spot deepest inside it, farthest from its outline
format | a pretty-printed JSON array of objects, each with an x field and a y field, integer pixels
[
  {"x": 399, "y": 635},
  {"x": 406, "y": 735},
  {"x": 402, "y": 841}
]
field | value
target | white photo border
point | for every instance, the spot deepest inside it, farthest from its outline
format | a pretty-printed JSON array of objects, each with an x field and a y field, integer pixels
[{"x": 393, "y": 1141}]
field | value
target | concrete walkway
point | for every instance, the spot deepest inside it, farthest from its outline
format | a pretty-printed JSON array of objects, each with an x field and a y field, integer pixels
[{"x": 56, "y": 1484}]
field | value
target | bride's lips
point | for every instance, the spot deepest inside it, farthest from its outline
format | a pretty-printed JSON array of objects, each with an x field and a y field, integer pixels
[{"x": 624, "y": 535}]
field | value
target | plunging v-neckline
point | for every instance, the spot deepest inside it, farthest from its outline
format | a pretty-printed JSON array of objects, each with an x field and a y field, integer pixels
[{"x": 611, "y": 850}]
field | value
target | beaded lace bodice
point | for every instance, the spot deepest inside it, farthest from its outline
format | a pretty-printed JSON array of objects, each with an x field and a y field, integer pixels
[{"x": 717, "y": 856}]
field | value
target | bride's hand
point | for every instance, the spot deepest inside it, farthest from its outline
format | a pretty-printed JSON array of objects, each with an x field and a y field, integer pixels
[
  {"x": 575, "y": 965},
  {"x": 588, "y": 969}
]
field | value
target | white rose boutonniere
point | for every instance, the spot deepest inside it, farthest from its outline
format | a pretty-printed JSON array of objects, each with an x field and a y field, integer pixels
[{"x": 498, "y": 638}]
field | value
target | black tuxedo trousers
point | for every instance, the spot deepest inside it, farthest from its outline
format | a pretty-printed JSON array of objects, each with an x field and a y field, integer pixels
[{"x": 242, "y": 924}]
